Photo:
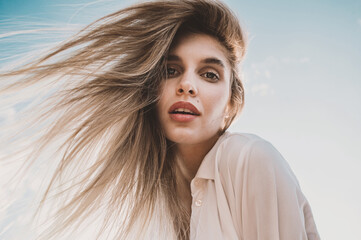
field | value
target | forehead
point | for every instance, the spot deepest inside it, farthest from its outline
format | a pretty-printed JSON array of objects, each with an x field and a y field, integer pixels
[{"x": 200, "y": 45}]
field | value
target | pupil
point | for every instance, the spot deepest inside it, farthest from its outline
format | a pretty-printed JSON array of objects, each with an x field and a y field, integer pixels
[{"x": 171, "y": 71}]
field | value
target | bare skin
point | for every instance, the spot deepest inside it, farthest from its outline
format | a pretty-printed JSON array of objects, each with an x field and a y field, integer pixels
[
  {"x": 191, "y": 157},
  {"x": 194, "y": 101}
]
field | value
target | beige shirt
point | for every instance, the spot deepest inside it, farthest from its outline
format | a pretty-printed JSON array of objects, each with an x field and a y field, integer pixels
[{"x": 244, "y": 189}]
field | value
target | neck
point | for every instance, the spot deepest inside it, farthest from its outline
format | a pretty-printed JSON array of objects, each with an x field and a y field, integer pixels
[{"x": 192, "y": 155}]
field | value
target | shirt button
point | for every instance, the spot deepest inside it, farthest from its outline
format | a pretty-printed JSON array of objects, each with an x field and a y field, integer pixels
[{"x": 198, "y": 203}]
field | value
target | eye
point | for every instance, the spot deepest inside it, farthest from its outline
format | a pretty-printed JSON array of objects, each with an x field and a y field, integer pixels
[
  {"x": 211, "y": 76},
  {"x": 171, "y": 72}
]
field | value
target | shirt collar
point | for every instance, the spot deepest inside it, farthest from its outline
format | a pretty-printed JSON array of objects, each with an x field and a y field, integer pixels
[{"x": 207, "y": 168}]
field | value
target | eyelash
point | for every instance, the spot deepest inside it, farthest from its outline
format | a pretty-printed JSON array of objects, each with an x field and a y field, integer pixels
[
  {"x": 212, "y": 76},
  {"x": 171, "y": 74}
]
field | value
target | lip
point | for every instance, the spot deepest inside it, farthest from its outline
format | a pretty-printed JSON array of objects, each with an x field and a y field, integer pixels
[{"x": 183, "y": 117}]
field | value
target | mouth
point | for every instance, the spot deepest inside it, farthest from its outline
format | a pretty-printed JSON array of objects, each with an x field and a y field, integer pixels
[
  {"x": 185, "y": 108},
  {"x": 183, "y": 112}
]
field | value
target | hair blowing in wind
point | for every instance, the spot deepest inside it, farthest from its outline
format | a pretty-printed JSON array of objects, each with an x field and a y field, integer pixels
[{"x": 105, "y": 85}]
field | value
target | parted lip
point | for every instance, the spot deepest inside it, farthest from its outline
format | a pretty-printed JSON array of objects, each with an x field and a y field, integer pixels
[{"x": 186, "y": 105}]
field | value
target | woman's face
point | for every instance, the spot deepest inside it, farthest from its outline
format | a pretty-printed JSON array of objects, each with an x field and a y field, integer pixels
[{"x": 194, "y": 99}]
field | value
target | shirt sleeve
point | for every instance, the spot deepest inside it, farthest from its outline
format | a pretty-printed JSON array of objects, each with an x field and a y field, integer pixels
[{"x": 273, "y": 206}]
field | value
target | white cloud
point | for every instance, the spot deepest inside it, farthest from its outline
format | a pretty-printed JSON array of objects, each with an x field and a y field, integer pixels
[
  {"x": 262, "y": 89},
  {"x": 267, "y": 74},
  {"x": 304, "y": 60},
  {"x": 270, "y": 66},
  {"x": 271, "y": 61},
  {"x": 292, "y": 60},
  {"x": 260, "y": 71}
]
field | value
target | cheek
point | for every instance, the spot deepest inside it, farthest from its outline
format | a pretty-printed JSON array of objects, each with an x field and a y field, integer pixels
[
  {"x": 216, "y": 104},
  {"x": 218, "y": 97}
]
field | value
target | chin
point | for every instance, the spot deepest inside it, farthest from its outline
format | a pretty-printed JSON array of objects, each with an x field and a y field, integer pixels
[
  {"x": 182, "y": 136},
  {"x": 190, "y": 136}
]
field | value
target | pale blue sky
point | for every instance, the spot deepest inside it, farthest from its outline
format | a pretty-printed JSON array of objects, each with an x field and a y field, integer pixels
[{"x": 303, "y": 85}]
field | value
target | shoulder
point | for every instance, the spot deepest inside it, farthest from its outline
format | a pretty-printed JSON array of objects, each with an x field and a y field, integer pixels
[
  {"x": 251, "y": 155},
  {"x": 244, "y": 147}
]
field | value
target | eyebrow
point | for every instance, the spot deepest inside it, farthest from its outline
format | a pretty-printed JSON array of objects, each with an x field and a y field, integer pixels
[
  {"x": 173, "y": 58},
  {"x": 213, "y": 61},
  {"x": 210, "y": 60}
]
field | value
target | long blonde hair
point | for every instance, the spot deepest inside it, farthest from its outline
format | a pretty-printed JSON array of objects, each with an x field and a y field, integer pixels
[{"x": 110, "y": 73}]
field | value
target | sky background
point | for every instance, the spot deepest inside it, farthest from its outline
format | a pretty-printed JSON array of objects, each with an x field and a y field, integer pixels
[{"x": 303, "y": 93}]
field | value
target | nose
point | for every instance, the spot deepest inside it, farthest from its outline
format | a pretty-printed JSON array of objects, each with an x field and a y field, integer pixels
[{"x": 187, "y": 86}]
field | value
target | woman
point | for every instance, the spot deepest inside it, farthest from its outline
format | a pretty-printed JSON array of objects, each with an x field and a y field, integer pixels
[{"x": 146, "y": 122}]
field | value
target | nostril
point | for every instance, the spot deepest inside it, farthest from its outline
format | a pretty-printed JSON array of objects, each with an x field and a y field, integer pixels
[{"x": 189, "y": 91}]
